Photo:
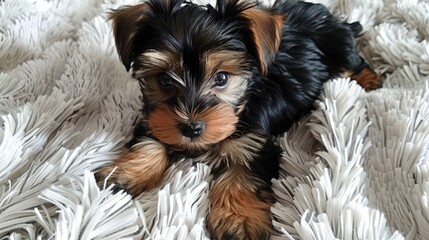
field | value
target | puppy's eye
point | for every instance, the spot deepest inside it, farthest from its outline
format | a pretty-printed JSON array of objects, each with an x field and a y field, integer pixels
[
  {"x": 221, "y": 80},
  {"x": 165, "y": 80}
]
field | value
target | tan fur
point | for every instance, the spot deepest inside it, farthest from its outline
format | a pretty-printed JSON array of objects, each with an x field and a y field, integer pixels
[
  {"x": 224, "y": 61},
  {"x": 266, "y": 30},
  {"x": 219, "y": 121},
  {"x": 164, "y": 125},
  {"x": 368, "y": 79},
  {"x": 219, "y": 124},
  {"x": 238, "y": 208},
  {"x": 233, "y": 63},
  {"x": 155, "y": 62},
  {"x": 238, "y": 151},
  {"x": 241, "y": 150},
  {"x": 138, "y": 169}
]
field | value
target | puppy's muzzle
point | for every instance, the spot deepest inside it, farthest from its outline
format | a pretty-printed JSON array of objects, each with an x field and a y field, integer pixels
[{"x": 192, "y": 129}]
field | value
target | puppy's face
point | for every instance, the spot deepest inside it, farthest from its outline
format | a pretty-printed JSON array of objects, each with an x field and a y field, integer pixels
[{"x": 195, "y": 64}]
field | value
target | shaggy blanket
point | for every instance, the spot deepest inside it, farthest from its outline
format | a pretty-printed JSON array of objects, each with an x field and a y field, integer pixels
[{"x": 355, "y": 168}]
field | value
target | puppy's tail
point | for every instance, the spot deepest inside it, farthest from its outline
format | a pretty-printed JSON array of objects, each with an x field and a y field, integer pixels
[{"x": 356, "y": 28}]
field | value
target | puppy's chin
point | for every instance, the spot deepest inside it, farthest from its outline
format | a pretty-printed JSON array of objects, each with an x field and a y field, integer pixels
[{"x": 219, "y": 123}]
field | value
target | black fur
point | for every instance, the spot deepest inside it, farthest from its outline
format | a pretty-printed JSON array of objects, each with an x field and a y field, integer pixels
[{"x": 315, "y": 47}]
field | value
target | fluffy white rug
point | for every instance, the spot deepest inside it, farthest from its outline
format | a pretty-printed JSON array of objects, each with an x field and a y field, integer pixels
[{"x": 355, "y": 168}]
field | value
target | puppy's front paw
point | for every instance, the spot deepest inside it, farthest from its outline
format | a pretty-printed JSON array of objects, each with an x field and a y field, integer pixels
[
  {"x": 238, "y": 212},
  {"x": 138, "y": 169},
  {"x": 227, "y": 225},
  {"x": 109, "y": 175}
]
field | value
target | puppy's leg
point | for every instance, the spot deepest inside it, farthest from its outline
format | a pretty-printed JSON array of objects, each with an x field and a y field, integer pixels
[
  {"x": 363, "y": 74},
  {"x": 239, "y": 206},
  {"x": 138, "y": 169},
  {"x": 367, "y": 78},
  {"x": 355, "y": 66},
  {"x": 335, "y": 39}
]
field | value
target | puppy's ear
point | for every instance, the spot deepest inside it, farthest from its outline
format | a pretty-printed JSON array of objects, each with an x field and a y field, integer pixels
[
  {"x": 125, "y": 24},
  {"x": 130, "y": 23},
  {"x": 265, "y": 29}
]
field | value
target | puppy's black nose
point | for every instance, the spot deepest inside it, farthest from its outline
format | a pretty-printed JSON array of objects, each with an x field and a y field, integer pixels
[{"x": 191, "y": 129}]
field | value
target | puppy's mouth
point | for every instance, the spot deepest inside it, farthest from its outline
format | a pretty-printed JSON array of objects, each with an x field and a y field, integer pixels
[{"x": 192, "y": 130}]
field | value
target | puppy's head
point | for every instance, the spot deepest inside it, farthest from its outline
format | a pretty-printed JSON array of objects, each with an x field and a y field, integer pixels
[{"x": 195, "y": 64}]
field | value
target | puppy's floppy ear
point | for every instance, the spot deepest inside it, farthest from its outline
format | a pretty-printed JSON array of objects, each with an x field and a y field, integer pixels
[
  {"x": 129, "y": 24},
  {"x": 265, "y": 28},
  {"x": 125, "y": 24}
]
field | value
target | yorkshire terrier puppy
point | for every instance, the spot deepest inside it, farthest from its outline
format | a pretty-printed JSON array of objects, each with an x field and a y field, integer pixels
[{"x": 217, "y": 84}]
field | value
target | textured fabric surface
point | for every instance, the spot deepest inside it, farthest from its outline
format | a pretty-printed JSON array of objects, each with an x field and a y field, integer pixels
[{"x": 355, "y": 168}]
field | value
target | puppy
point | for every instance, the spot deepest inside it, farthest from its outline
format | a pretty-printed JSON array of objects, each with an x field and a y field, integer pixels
[{"x": 218, "y": 83}]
